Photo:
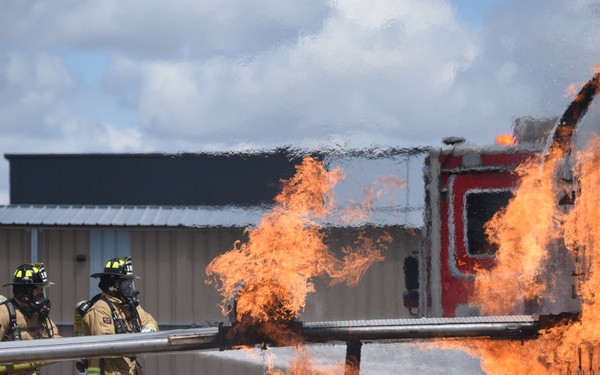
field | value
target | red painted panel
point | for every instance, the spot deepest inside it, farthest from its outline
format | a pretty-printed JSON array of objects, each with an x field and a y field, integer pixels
[
  {"x": 457, "y": 264},
  {"x": 506, "y": 160},
  {"x": 450, "y": 161}
]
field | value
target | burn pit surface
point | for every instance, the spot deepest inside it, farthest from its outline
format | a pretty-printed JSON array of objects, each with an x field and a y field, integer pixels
[{"x": 408, "y": 357}]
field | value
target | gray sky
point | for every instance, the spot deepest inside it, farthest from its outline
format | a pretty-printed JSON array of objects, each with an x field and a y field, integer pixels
[{"x": 149, "y": 76}]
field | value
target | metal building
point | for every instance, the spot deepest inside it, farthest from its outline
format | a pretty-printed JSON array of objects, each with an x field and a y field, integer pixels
[{"x": 174, "y": 214}]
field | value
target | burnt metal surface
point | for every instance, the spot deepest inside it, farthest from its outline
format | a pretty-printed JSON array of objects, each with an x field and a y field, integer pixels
[
  {"x": 563, "y": 131},
  {"x": 508, "y": 327}
]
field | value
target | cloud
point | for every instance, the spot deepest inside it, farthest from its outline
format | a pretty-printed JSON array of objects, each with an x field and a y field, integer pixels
[
  {"x": 210, "y": 75},
  {"x": 154, "y": 29},
  {"x": 31, "y": 92},
  {"x": 362, "y": 72}
]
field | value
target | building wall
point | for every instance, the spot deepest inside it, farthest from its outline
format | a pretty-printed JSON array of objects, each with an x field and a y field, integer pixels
[
  {"x": 14, "y": 251},
  {"x": 172, "y": 272},
  {"x": 172, "y": 263},
  {"x": 379, "y": 292}
]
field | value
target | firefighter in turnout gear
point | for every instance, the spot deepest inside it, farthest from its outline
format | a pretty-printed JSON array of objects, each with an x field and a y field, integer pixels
[
  {"x": 25, "y": 315},
  {"x": 115, "y": 310}
]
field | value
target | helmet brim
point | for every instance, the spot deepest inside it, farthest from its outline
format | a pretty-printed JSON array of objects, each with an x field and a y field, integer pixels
[
  {"x": 100, "y": 274},
  {"x": 39, "y": 285}
]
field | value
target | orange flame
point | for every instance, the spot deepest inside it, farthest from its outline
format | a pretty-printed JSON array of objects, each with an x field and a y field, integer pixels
[
  {"x": 571, "y": 90},
  {"x": 523, "y": 232},
  {"x": 542, "y": 248},
  {"x": 506, "y": 139},
  {"x": 274, "y": 269},
  {"x": 271, "y": 274}
]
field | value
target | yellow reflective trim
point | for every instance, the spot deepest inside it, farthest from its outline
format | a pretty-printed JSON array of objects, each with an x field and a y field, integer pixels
[
  {"x": 152, "y": 327},
  {"x": 36, "y": 270},
  {"x": 18, "y": 273},
  {"x": 28, "y": 273},
  {"x": 96, "y": 371}
]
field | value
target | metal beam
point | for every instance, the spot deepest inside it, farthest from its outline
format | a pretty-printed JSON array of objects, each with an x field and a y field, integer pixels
[
  {"x": 196, "y": 339},
  {"x": 502, "y": 327},
  {"x": 73, "y": 348}
]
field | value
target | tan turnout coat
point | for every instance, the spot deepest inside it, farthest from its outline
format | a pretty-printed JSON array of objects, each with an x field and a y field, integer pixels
[
  {"x": 99, "y": 321},
  {"x": 30, "y": 328}
]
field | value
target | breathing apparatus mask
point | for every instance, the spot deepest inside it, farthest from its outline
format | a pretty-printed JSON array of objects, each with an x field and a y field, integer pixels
[
  {"x": 127, "y": 288},
  {"x": 128, "y": 292},
  {"x": 123, "y": 289},
  {"x": 33, "y": 298},
  {"x": 117, "y": 280}
]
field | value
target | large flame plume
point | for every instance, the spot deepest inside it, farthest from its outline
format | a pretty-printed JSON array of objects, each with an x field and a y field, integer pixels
[
  {"x": 531, "y": 233},
  {"x": 523, "y": 232},
  {"x": 272, "y": 272}
]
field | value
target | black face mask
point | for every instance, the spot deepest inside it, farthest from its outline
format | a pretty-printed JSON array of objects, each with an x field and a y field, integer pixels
[
  {"x": 44, "y": 310},
  {"x": 123, "y": 289},
  {"x": 40, "y": 303},
  {"x": 127, "y": 288},
  {"x": 36, "y": 302}
]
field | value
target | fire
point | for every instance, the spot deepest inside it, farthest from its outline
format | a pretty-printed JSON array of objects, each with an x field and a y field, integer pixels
[
  {"x": 571, "y": 91},
  {"x": 506, "y": 139},
  {"x": 271, "y": 274},
  {"x": 523, "y": 233},
  {"x": 545, "y": 263},
  {"x": 529, "y": 233},
  {"x": 574, "y": 89}
]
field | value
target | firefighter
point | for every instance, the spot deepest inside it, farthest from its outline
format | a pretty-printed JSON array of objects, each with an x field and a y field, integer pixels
[
  {"x": 25, "y": 315},
  {"x": 115, "y": 310}
]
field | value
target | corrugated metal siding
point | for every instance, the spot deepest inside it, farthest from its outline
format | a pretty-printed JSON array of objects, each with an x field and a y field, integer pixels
[
  {"x": 58, "y": 249},
  {"x": 183, "y": 297},
  {"x": 104, "y": 245},
  {"x": 127, "y": 216},
  {"x": 14, "y": 251},
  {"x": 172, "y": 263},
  {"x": 174, "y": 217},
  {"x": 379, "y": 293},
  {"x": 172, "y": 285}
]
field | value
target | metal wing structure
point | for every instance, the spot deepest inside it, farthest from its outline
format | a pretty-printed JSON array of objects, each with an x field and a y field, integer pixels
[{"x": 40, "y": 352}]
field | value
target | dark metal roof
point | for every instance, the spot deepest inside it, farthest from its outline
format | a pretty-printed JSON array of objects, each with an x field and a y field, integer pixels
[
  {"x": 186, "y": 179},
  {"x": 177, "y": 190},
  {"x": 128, "y": 216},
  {"x": 183, "y": 179}
]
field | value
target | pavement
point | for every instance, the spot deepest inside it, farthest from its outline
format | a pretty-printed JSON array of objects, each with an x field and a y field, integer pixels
[{"x": 407, "y": 357}]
